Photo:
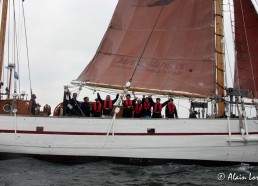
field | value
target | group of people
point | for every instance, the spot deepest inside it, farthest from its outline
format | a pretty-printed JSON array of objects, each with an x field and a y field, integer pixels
[
  {"x": 100, "y": 107},
  {"x": 137, "y": 108},
  {"x": 147, "y": 108},
  {"x": 34, "y": 108}
]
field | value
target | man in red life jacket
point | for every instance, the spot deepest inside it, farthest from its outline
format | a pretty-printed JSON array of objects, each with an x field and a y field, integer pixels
[
  {"x": 107, "y": 104},
  {"x": 97, "y": 109},
  {"x": 157, "y": 108},
  {"x": 128, "y": 106},
  {"x": 171, "y": 111},
  {"x": 138, "y": 109},
  {"x": 147, "y": 103}
]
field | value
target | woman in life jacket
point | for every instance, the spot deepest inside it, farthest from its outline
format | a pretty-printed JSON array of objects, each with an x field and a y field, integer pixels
[
  {"x": 97, "y": 109},
  {"x": 138, "y": 109},
  {"x": 171, "y": 111},
  {"x": 147, "y": 103}
]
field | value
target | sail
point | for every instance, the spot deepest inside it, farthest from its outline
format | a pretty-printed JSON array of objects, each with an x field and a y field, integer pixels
[
  {"x": 158, "y": 44},
  {"x": 246, "y": 40}
]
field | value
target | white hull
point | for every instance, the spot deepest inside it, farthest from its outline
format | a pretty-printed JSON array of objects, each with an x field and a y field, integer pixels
[{"x": 178, "y": 139}]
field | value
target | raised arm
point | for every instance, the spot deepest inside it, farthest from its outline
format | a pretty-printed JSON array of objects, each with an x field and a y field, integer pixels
[
  {"x": 99, "y": 98},
  {"x": 117, "y": 96},
  {"x": 165, "y": 103}
]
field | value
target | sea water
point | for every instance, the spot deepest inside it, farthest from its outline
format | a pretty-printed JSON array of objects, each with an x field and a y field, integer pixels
[{"x": 27, "y": 171}]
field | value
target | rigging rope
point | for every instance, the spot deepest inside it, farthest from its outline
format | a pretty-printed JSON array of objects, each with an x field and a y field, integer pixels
[
  {"x": 138, "y": 62},
  {"x": 26, "y": 38},
  {"x": 16, "y": 59}
]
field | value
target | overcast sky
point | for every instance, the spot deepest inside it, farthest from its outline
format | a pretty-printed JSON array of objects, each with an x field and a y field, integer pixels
[{"x": 63, "y": 36}]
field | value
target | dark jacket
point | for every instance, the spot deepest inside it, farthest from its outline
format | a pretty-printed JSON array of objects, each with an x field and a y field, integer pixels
[{"x": 86, "y": 109}]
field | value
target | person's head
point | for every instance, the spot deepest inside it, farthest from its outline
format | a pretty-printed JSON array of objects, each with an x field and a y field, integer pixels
[
  {"x": 33, "y": 96},
  {"x": 157, "y": 100},
  {"x": 86, "y": 99},
  {"x": 139, "y": 101},
  {"x": 128, "y": 96},
  {"x": 147, "y": 100},
  {"x": 171, "y": 100},
  {"x": 97, "y": 100},
  {"x": 108, "y": 97},
  {"x": 74, "y": 95}
]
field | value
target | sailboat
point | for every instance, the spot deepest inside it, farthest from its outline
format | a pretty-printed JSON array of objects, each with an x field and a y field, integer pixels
[{"x": 165, "y": 47}]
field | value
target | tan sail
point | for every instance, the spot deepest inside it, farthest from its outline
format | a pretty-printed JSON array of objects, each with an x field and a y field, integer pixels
[
  {"x": 158, "y": 44},
  {"x": 246, "y": 34}
]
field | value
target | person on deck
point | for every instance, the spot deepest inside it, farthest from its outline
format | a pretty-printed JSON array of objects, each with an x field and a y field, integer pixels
[
  {"x": 47, "y": 109},
  {"x": 128, "y": 106},
  {"x": 171, "y": 111},
  {"x": 33, "y": 104},
  {"x": 97, "y": 109},
  {"x": 138, "y": 109},
  {"x": 147, "y": 103},
  {"x": 107, "y": 104},
  {"x": 157, "y": 108},
  {"x": 85, "y": 107},
  {"x": 74, "y": 106}
]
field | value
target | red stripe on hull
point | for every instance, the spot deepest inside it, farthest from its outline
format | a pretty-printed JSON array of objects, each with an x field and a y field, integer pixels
[{"x": 121, "y": 134}]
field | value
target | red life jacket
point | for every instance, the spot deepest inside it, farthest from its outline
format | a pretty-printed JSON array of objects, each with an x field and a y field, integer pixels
[
  {"x": 156, "y": 109},
  {"x": 138, "y": 108},
  {"x": 171, "y": 108},
  {"x": 147, "y": 106},
  {"x": 98, "y": 110},
  {"x": 128, "y": 103},
  {"x": 110, "y": 105}
]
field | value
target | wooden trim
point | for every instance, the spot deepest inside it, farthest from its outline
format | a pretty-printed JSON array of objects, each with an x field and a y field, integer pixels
[
  {"x": 153, "y": 91},
  {"x": 219, "y": 57},
  {"x": 2, "y": 33}
]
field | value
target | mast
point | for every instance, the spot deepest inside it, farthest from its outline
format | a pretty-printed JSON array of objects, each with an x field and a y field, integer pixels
[
  {"x": 219, "y": 56},
  {"x": 2, "y": 33}
]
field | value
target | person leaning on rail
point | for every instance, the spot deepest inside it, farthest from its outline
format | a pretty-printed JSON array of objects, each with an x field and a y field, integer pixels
[
  {"x": 171, "y": 111},
  {"x": 128, "y": 106},
  {"x": 107, "y": 104}
]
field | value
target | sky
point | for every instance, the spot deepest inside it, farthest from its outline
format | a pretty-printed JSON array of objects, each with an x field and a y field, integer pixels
[{"x": 63, "y": 36}]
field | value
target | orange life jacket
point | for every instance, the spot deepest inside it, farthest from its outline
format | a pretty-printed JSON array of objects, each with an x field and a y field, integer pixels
[
  {"x": 128, "y": 103},
  {"x": 138, "y": 108},
  {"x": 98, "y": 110},
  {"x": 110, "y": 105},
  {"x": 156, "y": 108},
  {"x": 147, "y": 106},
  {"x": 171, "y": 107}
]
